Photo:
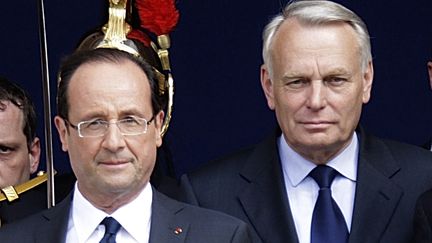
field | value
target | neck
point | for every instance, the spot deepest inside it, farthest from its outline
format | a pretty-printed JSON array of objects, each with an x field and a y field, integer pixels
[{"x": 109, "y": 202}]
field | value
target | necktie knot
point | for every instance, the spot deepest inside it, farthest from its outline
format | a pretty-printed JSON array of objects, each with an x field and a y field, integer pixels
[
  {"x": 111, "y": 229},
  {"x": 323, "y": 175}
]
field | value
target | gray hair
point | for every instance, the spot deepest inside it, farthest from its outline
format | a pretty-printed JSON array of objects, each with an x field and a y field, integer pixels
[{"x": 318, "y": 12}]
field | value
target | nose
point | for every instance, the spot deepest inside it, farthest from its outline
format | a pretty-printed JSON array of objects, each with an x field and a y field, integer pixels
[
  {"x": 113, "y": 139},
  {"x": 317, "y": 97}
]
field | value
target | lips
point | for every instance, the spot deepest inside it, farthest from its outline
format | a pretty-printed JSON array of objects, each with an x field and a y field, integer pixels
[
  {"x": 316, "y": 124},
  {"x": 114, "y": 162}
]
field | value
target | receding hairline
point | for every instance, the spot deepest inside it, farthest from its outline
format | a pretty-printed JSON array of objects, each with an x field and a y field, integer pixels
[
  {"x": 109, "y": 61},
  {"x": 306, "y": 24}
]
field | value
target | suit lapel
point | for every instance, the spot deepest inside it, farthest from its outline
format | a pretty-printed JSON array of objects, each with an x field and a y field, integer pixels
[
  {"x": 264, "y": 201},
  {"x": 55, "y": 223},
  {"x": 165, "y": 225},
  {"x": 376, "y": 196}
]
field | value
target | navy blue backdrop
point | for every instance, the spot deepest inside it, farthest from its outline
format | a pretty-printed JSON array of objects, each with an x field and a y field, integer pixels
[{"x": 216, "y": 55}]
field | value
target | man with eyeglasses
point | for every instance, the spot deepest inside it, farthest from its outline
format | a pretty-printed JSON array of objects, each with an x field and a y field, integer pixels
[{"x": 109, "y": 120}]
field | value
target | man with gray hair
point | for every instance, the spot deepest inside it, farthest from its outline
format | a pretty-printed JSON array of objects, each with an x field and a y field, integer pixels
[{"x": 320, "y": 177}]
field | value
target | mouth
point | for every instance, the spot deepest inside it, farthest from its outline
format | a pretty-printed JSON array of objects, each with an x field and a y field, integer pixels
[
  {"x": 316, "y": 125},
  {"x": 114, "y": 163}
]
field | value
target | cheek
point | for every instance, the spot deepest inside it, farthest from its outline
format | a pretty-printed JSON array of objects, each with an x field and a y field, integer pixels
[
  {"x": 82, "y": 151},
  {"x": 144, "y": 151},
  {"x": 288, "y": 103},
  {"x": 14, "y": 169},
  {"x": 7, "y": 168},
  {"x": 349, "y": 109},
  {"x": 142, "y": 148}
]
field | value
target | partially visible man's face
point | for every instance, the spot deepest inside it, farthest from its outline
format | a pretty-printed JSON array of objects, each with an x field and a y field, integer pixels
[
  {"x": 113, "y": 164},
  {"x": 429, "y": 65},
  {"x": 17, "y": 162},
  {"x": 317, "y": 87}
]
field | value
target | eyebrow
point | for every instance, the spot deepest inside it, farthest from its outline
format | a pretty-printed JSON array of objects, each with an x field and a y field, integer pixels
[
  {"x": 132, "y": 111},
  {"x": 12, "y": 144},
  {"x": 338, "y": 71},
  {"x": 102, "y": 114},
  {"x": 300, "y": 75}
]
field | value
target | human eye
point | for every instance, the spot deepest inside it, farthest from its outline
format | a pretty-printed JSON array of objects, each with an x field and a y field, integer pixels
[
  {"x": 5, "y": 149},
  {"x": 336, "y": 81},
  {"x": 94, "y": 124},
  {"x": 297, "y": 83},
  {"x": 131, "y": 121}
]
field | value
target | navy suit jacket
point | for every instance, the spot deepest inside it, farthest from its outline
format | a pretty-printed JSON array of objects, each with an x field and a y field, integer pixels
[
  {"x": 423, "y": 219},
  {"x": 249, "y": 185},
  {"x": 197, "y": 224}
]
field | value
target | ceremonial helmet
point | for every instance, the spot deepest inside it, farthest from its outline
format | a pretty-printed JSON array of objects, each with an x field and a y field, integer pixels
[{"x": 141, "y": 28}]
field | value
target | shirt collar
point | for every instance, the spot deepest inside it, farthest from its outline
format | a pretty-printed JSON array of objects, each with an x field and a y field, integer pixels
[
  {"x": 297, "y": 168},
  {"x": 132, "y": 216}
]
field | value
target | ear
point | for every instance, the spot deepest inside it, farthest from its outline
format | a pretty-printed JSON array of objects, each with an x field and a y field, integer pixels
[
  {"x": 367, "y": 82},
  {"x": 429, "y": 66},
  {"x": 267, "y": 86},
  {"x": 62, "y": 130},
  {"x": 34, "y": 155},
  {"x": 158, "y": 120}
]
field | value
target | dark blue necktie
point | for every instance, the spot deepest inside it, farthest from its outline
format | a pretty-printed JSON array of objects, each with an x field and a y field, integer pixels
[
  {"x": 111, "y": 229},
  {"x": 328, "y": 223}
]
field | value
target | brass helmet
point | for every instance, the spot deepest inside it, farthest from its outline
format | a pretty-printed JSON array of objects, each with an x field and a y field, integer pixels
[{"x": 141, "y": 27}]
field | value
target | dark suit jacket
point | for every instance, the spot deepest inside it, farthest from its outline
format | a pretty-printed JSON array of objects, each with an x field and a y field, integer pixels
[
  {"x": 197, "y": 224},
  {"x": 423, "y": 219},
  {"x": 249, "y": 185},
  {"x": 427, "y": 145}
]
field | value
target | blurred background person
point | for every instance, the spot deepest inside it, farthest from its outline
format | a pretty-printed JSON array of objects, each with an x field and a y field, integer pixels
[
  {"x": 20, "y": 151},
  {"x": 19, "y": 147}
]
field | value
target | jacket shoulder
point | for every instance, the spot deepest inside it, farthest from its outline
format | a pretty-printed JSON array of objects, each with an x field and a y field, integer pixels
[{"x": 204, "y": 225}]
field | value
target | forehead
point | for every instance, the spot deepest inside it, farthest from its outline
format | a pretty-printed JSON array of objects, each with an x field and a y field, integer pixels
[
  {"x": 295, "y": 42},
  {"x": 11, "y": 120},
  {"x": 106, "y": 85},
  {"x": 294, "y": 34}
]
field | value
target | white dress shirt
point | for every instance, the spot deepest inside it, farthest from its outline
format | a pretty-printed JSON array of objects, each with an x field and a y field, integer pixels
[
  {"x": 134, "y": 217},
  {"x": 302, "y": 190}
]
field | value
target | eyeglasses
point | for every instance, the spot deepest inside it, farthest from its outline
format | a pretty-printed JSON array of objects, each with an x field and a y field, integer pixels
[{"x": 129, "y": 126}]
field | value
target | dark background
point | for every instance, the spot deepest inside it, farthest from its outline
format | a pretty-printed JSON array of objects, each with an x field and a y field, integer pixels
[{"x": 215, "y": 57}]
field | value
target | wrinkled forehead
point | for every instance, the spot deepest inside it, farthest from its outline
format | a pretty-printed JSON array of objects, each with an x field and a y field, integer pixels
[
  {"x": 101, "y": 74},
  {"x": 296, "y": 36},
  {"x": 108, "y": 84},
  {"x": 11, "y": 114},
  {"x": 288, "y": 29}
]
